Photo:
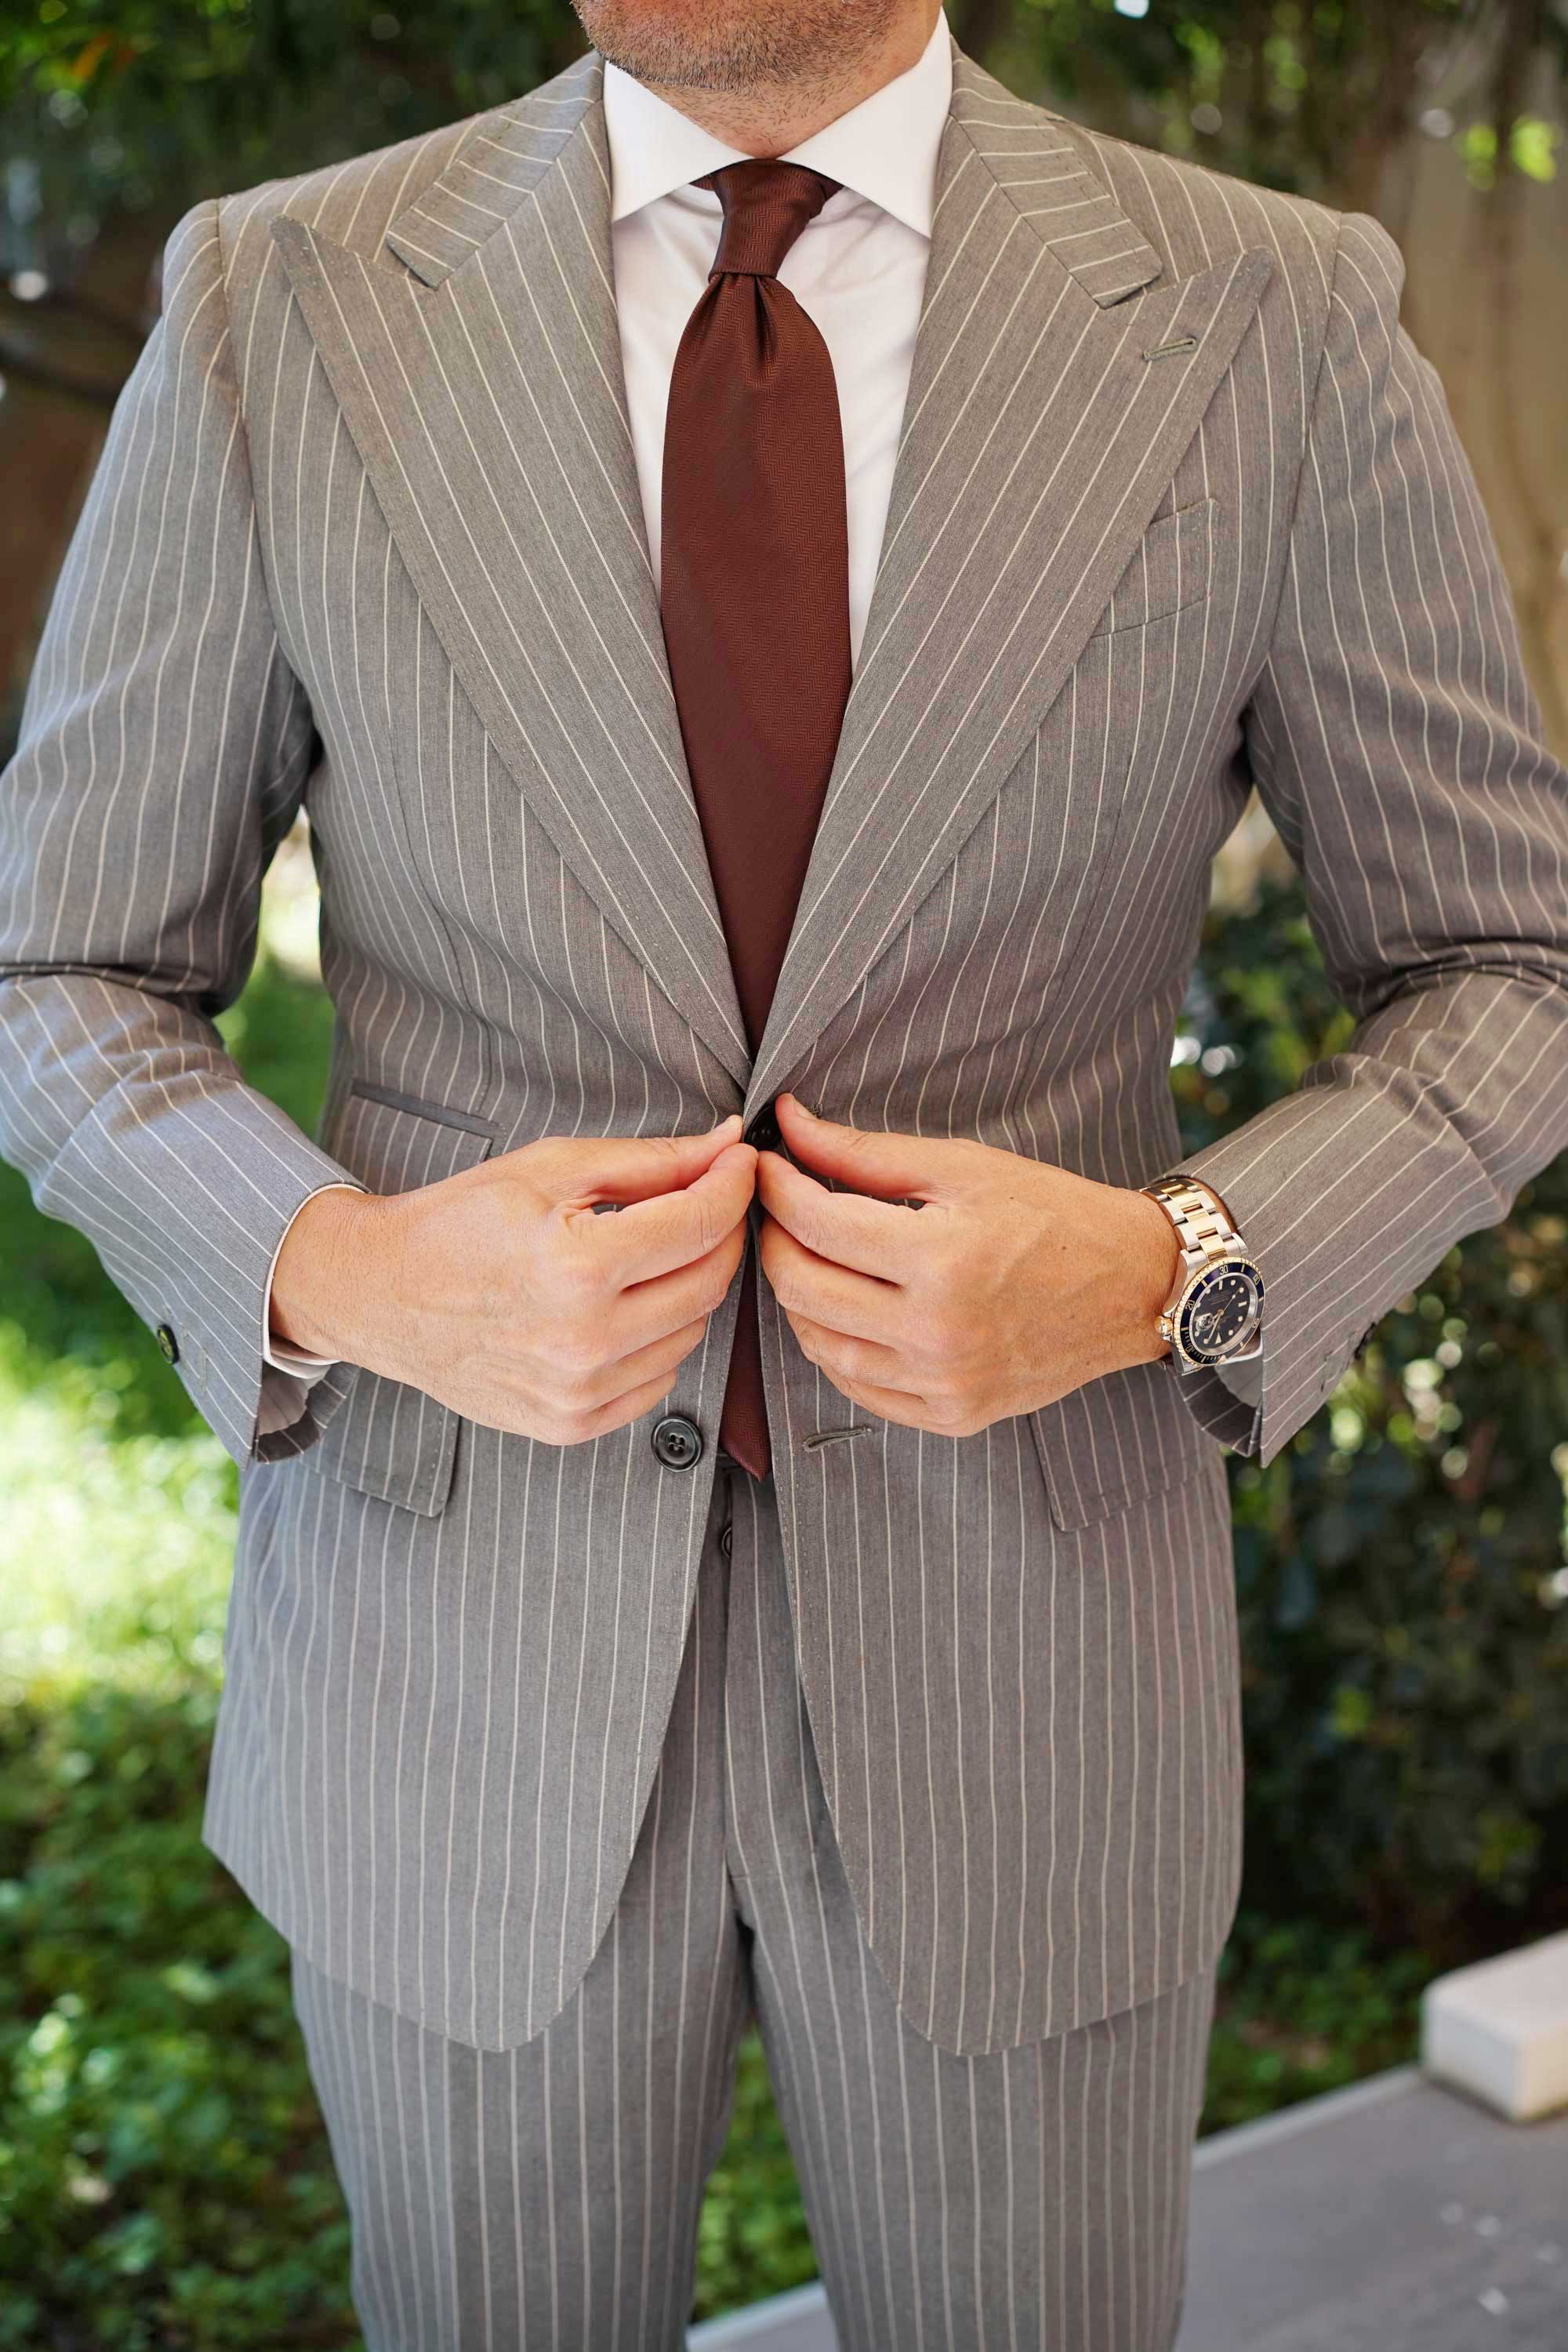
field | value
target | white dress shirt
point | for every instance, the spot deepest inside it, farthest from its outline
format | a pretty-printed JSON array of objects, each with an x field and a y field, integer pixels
[{"x": 858, "y": 268}]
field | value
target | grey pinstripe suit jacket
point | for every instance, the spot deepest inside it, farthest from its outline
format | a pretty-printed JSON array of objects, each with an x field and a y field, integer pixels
[{"x": 1177, "y": 506}]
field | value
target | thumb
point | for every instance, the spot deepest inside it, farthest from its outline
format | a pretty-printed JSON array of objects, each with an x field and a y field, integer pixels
[
  {"x": 627, "y": 1168},
  {"x": 890, "y": 1166}
]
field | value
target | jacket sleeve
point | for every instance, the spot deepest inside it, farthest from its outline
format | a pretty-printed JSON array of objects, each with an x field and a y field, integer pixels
[
  {"x": 164, "y": 751},
  {"x": 1398, "y": 748}
]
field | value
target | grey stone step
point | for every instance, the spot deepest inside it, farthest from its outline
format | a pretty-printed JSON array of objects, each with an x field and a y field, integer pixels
[{"x": 1394, "y": 2216}]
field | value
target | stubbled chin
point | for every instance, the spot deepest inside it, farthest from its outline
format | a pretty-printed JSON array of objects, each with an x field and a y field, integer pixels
[{"x": 726, "y": 44}]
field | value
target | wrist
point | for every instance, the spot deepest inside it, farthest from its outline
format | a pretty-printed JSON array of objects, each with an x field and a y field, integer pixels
[
  {"x": 323, "y": 1284},
  {"x": 1150, "y": 1258}
]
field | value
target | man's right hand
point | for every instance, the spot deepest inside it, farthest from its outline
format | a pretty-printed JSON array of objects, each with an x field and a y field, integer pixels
[{"x": 502, "y": 1292}]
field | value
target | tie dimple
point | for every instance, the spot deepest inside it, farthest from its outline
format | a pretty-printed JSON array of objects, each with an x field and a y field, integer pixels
[{"x": 766, "y": 204}]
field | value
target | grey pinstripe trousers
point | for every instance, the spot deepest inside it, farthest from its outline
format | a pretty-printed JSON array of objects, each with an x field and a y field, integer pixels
[{"x": 548, "y": 2194}]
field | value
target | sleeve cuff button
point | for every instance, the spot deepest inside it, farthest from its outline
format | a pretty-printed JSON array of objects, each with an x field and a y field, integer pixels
[{"x": 169, "y": 1344}]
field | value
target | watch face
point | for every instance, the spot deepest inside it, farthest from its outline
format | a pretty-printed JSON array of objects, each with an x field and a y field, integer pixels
[{"x": 1218, "y": 1318}]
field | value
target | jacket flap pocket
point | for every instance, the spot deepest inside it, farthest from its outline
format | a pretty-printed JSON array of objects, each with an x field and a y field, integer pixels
[
  {"x": 1169, "y": 568},
  {"x": 1115, "y": 1441},
  {"x": 389, "y": 1439}
]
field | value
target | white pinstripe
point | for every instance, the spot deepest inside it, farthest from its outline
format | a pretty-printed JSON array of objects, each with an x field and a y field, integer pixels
[
  {"x": 745, "y": 1903},
  {"x": 367, "y": 534}
]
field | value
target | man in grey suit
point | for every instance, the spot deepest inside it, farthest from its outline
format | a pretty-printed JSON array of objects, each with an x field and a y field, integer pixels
[{"x": 558, "y": 1738}]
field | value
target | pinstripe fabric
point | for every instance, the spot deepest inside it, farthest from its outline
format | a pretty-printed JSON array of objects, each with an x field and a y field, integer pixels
[
  {"x": 1177, "y": 503},
  {"x": 549, "y": 2194}
]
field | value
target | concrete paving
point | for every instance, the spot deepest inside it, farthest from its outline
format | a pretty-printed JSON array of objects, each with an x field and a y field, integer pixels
[{"x": 1395, "y": 2216}]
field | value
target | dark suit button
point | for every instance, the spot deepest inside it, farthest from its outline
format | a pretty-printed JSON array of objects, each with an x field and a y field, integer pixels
[
  {"x": 676, "y": 1441},
  {"x": 169, "y": 1344},
  {"x": 763, "y": 1130}
]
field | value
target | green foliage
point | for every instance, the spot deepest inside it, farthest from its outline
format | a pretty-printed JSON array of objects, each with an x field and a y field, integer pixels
[
  {"x": 1269, "y": 89},
  {"x": 1533, "y": 149},
  {"x": 752, "y": 2236},
  {"x": 1302, "y": 2010},
  {"x": 1401, "y": 1564},
  {"x": 163, "y": 2176},
  {"x": 118, "y": 1541},
  {"x": 133, "y": 102},
  {"x": 137, "y": 103}
]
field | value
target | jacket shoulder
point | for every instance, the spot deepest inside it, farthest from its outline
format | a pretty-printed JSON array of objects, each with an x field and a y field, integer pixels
[
  {"x": 354, "y": 201},
  {"x": 1196, "y": 216}
]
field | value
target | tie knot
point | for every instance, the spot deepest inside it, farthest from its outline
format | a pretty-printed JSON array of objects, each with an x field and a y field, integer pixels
[{"x": 766, "y": 204}]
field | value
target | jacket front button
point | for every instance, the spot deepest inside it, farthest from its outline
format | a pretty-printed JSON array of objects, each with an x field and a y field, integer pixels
[
  {"x": 169, "y": 1344},
  {"x": 763, "y": 1132},
  {"x": 676, "y": 1442}
]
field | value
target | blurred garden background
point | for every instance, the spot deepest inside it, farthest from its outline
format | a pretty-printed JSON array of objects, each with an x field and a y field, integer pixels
[{"x": 1402, "y": 1566}]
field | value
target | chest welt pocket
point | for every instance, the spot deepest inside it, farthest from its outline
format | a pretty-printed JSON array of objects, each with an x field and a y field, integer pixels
[
  {"x": 1170, "y": 568},
  {"x": 388, "y": 1439}
]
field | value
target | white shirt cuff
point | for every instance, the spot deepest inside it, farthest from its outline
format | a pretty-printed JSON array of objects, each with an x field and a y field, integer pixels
[{"x": 277, "y": 1352}]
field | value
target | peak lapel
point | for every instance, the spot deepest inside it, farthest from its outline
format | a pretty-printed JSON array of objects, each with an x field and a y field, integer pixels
[
  {"x": 485, "y": 396},
  {"x": 1037, "y": 440}
]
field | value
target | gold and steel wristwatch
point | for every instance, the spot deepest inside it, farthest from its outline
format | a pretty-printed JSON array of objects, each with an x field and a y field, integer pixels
[{"x": 1213, "y": 1312}]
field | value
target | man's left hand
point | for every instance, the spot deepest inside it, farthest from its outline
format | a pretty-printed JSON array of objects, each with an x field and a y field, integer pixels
[{"x": 1012, "y": 1283}]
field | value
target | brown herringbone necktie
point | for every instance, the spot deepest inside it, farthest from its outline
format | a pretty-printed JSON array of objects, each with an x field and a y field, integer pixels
[{"x": 754, "y": 593}]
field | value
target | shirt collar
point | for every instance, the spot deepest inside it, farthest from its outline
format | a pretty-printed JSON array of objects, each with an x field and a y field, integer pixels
[{"x": 885, "y": 148}]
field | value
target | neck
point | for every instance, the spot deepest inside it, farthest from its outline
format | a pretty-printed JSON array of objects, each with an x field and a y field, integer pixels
[{"x": 770, "y": 118}]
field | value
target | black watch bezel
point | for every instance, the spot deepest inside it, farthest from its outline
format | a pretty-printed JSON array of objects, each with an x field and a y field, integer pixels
[{"x": 1208, "y": 1276}]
